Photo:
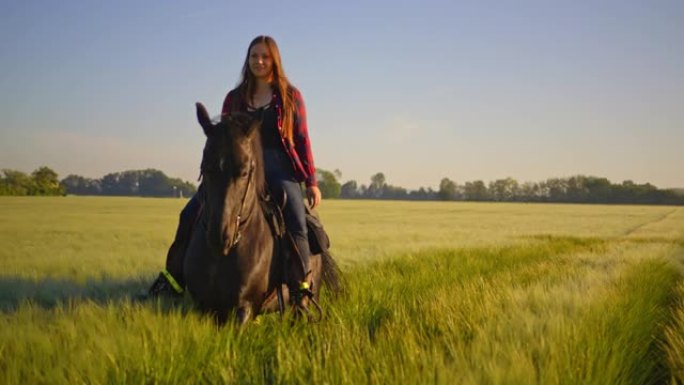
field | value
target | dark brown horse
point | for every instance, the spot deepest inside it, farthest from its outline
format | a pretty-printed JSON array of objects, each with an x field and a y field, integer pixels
[{"x": 234, "y": 260}]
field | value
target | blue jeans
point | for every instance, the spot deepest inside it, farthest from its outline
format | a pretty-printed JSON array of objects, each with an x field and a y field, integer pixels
[{"x": 280, "y": 179}]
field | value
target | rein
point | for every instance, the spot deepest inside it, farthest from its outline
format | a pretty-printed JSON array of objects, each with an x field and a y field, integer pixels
[{"x": 238, "y": 219}]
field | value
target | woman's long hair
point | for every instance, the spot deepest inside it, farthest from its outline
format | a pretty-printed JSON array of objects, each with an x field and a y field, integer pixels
[{"x": 247, "y": 86}]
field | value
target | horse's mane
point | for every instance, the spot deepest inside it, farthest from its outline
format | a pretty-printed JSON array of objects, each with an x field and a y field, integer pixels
[
  {"x": 258, "y": 151},
  {"x": 236, "y": 133},
  {"x": 230, "y": 131}
]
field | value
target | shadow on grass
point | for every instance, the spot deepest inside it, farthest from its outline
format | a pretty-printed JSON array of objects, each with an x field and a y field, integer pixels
[{"x": 49, "y": 293}]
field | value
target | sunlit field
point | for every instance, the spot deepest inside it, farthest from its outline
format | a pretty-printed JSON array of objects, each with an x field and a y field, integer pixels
[{"x": 452, "y": 293}]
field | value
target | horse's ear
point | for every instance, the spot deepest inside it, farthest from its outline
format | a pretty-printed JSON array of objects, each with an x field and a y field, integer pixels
[{"x": 203, "y": 118}]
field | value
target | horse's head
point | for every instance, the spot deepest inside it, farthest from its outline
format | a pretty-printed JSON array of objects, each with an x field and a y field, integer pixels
[{"x": 232, "y": 175}]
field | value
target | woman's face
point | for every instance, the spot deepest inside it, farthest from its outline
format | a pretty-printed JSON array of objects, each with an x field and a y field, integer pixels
[{"x": 261, "y": 62}]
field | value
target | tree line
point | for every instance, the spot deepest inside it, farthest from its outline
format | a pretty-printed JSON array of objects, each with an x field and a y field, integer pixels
[
  {"x": 45, "y": 181},
  {"x": 154, "y": 183},
  {"x": 42, "y": 181},
  {"x": 575, "y": 189}
]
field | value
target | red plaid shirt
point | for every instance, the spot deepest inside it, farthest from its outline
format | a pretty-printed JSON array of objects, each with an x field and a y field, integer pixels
[{"x": 300, "y": 154}]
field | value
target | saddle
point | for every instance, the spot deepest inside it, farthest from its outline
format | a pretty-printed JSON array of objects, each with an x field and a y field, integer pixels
[{"x": 319, "y": 242}]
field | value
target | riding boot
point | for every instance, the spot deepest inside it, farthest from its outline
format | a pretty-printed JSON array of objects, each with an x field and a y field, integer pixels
[
  {"x": 170, "y": 281},
  {"x": 300, "y": 278},
  {"x": 303, "y": 253}
]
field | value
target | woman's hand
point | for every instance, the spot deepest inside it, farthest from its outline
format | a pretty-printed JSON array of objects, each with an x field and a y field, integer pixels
[{"x": 313, "y": 194}]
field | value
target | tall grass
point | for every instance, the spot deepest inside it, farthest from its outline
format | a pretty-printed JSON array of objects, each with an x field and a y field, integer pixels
[
  {"x": 82, "y": 238},
  {"x": 544, "y": 303},
  {"x": 674, "y": 340}
]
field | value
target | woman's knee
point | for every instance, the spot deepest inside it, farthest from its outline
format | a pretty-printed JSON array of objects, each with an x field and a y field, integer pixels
[{"x": 295, "y": 217}]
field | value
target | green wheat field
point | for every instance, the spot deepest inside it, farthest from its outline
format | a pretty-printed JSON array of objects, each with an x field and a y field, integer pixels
[{"x": 437, "y": 293}]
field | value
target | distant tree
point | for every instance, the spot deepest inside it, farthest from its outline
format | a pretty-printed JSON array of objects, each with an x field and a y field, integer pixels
[
  {"x": 328, "y": 184},
  {"x": 15, "y": 182},
  {"x": 420, "y": 194},
  {"x": 129, "y": 182},
  {"x": 630, "y": 192},
  {"x": 378, "y": 180},
  {"x": 599, "y": 190},
  {"x": 154, "y": 183},
  {"x": 349, "y": 190},
  {"x": 42, "y": 181},
  {"x": 432, "y": 194},
  {"x": 111, "y": 184},
  {"x": 447, "y": 190},
  {"x": 46, "y": 182},
  {"x": 78, "y": 185},
  {"x": 375, "y": 189},
  {"x": 476, "y": 191},
  {"x": 181, "y": 188},
  {"x": 149, "y": 182},
  {"x": 530, "y": 192},
  {"x": 503, "y": 189},
  {"x": 394, "y": 192},
  {"x": 576, "y": 190},
  {"x": 673, "y": 196},
  {"x": 363, "y": 191},
  {"x": 556, "y": 189}
]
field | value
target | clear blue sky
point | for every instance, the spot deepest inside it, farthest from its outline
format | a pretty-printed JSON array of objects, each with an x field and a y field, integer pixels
[{"x": 417, "y": 90}]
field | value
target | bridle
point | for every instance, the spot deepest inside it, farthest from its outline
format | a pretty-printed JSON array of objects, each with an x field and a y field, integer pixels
[
  {"x": 202, "y": 218},
  {"x": 238, "y": 218}
]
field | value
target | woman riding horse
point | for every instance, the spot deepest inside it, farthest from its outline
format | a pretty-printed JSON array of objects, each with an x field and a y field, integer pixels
[{"x": 266, "y": 94}]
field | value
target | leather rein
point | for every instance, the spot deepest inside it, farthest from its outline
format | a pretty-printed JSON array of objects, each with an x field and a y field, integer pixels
[{"x": 238, "y": 218}]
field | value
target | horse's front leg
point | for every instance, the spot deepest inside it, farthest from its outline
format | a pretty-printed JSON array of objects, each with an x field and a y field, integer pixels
[
  {"x": 250, "y": 304},
  {"x": 244, "y": 313}
]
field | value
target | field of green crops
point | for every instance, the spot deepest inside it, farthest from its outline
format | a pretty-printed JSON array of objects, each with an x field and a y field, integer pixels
[{"x": 444, "y": 293}]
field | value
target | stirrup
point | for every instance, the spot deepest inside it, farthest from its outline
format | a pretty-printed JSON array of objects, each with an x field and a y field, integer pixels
[{"x": 301, "y": 296}]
